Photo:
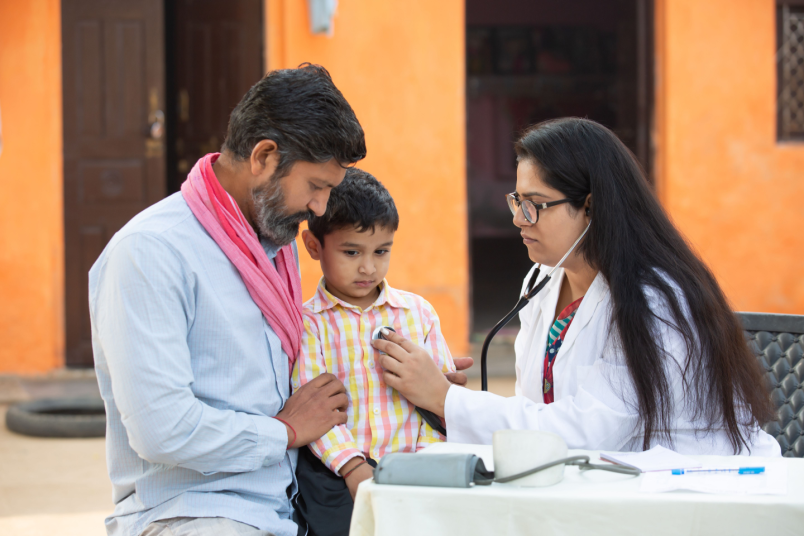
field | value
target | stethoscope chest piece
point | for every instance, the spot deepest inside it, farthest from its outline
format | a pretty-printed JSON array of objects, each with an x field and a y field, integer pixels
[{"x": 377, "y": 333}]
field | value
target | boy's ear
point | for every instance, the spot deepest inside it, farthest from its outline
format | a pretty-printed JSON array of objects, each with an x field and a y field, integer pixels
[{"x": 312, "y": 245}]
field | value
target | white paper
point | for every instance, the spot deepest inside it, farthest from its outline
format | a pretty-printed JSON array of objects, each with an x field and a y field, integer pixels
[
  {"x": 772, "y": 482},
  {"x": 656, "y": 459}
]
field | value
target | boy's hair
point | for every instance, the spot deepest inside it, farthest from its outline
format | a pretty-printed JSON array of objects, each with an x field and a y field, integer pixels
[{"x": 360, "y": 201}]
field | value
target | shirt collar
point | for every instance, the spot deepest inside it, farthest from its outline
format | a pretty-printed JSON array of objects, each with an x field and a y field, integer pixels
[
  {"x": 324, "y": 299},
  {"x": 270, "y": 248}
]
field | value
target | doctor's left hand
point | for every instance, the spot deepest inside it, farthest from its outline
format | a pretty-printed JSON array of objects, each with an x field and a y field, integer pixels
[{"x": 410, "y": 370}]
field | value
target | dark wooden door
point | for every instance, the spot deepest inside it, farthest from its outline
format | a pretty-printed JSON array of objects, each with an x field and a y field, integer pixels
[
  {"x": 217, "y": 55},
  {"x": 114, "y": 163}
]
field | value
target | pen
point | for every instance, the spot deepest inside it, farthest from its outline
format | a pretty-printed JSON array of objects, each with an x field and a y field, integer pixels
[{"x": 740, "y": 471}]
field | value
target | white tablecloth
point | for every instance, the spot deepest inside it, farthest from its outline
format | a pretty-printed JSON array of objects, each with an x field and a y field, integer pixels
[{"x": 584, "y": 503}]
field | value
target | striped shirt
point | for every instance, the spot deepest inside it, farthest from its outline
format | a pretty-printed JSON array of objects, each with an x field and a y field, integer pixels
[{"x": 337, "y": 339}]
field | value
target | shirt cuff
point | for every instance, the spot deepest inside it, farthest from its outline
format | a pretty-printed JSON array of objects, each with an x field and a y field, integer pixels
[
  {"x": 455, "y": 407},
  {"x": 337, "y": 460},
  {"x": 272, "y": 437}
]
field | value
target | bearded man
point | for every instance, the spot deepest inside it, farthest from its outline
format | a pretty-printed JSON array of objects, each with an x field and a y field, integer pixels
[{"x": 196, "y": 316}]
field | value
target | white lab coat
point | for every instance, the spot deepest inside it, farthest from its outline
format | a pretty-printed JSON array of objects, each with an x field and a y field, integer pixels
[{"x": 594, "y": 404}]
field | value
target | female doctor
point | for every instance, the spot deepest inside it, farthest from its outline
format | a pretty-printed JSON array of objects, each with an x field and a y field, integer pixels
[{"x": 631, "y": 344}]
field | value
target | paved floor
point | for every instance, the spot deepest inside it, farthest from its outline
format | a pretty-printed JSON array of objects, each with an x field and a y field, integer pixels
[
  {"x": 52, "y": 486},
  {"x": 60, "y": 486}
]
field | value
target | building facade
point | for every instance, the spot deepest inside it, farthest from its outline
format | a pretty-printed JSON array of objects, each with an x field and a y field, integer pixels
[{"x": 695, "y": 88}]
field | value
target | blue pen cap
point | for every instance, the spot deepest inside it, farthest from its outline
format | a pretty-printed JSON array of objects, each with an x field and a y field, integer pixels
[{"x": 751, "y": 470}]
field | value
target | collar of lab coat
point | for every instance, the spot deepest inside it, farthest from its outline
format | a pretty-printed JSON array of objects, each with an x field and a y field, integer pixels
[{"x": 598, "y": 290}]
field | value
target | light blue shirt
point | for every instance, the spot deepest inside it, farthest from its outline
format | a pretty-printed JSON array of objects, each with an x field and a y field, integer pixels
[{"x": 191, "y": 374}]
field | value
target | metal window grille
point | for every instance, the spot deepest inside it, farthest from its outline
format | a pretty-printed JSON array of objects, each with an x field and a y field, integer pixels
[{"x": 790, "y": 64}]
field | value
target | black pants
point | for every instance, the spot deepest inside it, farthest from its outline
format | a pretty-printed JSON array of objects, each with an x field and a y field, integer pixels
[{"x": 324, "y": 505}]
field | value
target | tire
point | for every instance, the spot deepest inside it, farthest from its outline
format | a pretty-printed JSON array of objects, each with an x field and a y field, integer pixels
[{"x": 58, "y": 417}]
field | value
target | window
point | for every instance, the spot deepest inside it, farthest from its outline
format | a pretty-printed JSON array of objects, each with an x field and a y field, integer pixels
[{"x": 790, "y": 70}]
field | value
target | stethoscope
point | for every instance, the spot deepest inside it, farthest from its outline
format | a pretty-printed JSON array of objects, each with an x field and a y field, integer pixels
[
  {"x": 428, "y": 416},
  {"x": 531, "y": 289}
]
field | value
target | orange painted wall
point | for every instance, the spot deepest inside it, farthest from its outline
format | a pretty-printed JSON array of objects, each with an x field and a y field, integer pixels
[
  {"x": 728, "y": 184},
  {"x": 401, "y": 67},
  {"x": 31, "y": 236}
]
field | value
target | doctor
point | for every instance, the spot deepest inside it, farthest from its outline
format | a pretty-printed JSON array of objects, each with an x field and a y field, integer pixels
[{"x": 631, "y": 344}]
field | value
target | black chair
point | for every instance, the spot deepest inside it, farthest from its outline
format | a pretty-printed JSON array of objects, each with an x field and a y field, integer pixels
[{"x": 778, "y": 343}]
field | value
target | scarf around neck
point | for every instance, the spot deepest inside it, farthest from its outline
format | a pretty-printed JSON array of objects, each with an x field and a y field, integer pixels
[{"x": 275, "y": 290}]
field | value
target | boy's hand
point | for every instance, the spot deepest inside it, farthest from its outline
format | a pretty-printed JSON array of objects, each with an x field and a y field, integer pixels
[
  {"x": 315, "y": 408},
  {"x": 364, "y": 472}
]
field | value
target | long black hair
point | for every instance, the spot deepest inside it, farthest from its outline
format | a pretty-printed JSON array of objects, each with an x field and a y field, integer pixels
[{"x": 634, "y": 245}]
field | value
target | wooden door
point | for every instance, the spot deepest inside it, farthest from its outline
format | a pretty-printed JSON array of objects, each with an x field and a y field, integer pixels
[
  {"x": 114, "y": 163},
  {"x": 216, "y": 51}
]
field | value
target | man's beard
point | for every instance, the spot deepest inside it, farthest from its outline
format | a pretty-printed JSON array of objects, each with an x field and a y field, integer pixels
[{"x": 272, "y": 221}]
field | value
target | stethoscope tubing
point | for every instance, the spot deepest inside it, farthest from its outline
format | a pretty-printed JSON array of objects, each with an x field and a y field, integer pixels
[
  {"x": 531, "y": 289},
  {"x": 581, "y": 461}
]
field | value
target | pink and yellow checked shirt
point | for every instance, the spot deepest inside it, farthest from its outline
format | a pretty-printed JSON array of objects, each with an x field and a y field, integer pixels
[{"x": 337, "y": 339}]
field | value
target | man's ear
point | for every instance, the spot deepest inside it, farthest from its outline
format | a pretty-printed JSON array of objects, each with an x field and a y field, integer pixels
[
  {"x": 312, "y": 245},
  {"x": 264, "y": 158}
]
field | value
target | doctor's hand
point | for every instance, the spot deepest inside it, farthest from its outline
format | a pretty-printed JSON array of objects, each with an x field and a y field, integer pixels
[
  {"x": 461, "y": 363},
  {"x": 410, "y": 370}
]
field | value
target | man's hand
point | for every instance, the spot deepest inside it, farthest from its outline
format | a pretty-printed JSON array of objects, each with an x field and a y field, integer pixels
[
  {"x": 459, "y": 378},
  {"x": 315, "y": 408},
  {"x": 364, "y": 472}
]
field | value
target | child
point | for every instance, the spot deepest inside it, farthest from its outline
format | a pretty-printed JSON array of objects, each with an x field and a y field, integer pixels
[{"x": 353, "y": 241}]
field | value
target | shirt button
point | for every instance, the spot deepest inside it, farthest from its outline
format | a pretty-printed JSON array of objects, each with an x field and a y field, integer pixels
[
  {"x": 377, "y": 454},
  {"x": 371, "y": 363},
  {"x": 376, "y": 410}
]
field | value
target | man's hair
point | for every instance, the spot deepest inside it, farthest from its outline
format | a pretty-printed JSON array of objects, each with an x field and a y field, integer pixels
[
  {"x": 360, "y": 202},
  {"x": 303, "y": 112}
]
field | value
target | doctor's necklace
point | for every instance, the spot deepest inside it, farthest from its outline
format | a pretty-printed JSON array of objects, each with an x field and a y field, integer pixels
[{"x": 554, "y": 340}]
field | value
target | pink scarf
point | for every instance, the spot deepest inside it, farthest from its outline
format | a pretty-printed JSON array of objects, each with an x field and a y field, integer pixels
[{"x": 276, "y": 291}]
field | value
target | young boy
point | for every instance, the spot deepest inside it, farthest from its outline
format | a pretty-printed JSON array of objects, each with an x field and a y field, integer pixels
[{"x": 353, "y": 241}]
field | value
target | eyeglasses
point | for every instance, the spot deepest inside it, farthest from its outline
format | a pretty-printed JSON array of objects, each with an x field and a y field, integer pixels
[{"x": 529, "y": 209}]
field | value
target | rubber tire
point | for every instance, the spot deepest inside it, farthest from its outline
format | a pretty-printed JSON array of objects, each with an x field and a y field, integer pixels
[{"x": 58, "y": 417}]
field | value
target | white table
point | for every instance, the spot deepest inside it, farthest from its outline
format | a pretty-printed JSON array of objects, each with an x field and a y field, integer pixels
[{"x": 584, "y": 503}]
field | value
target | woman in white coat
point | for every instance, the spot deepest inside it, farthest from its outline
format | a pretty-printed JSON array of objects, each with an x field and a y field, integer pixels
[{"x": 631, "y": 344}]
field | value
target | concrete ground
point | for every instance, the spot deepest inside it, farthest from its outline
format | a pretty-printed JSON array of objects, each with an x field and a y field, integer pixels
[
  {"x": 52, "y": 486},
  {"x": 60, "y": 486}
]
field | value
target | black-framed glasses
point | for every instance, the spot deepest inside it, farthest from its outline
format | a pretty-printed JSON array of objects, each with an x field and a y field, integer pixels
[{"x": 529, "y": 209}]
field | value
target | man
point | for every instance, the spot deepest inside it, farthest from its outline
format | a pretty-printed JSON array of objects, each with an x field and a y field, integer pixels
[{"x": 195, "y": 306}]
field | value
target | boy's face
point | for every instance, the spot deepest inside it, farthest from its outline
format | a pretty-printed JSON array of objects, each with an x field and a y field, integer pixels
[{"x": 354, "y": 263}]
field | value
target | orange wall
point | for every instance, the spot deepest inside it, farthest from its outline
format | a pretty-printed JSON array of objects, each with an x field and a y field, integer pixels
[
  {"x": 401, "y": 67},
  {"x": 728, "y": 184},
  {"x": 31, "y": 236}
]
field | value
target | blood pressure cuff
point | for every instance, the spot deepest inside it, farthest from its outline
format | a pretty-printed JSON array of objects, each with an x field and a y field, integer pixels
[{"x": 440, "y": 470}]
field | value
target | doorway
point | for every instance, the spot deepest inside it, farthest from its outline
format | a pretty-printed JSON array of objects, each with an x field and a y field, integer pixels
[
  {"x": 528, "y": 61},
  {"x": 214, "y": 55},
  {"x": 148, "y": 86}
]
